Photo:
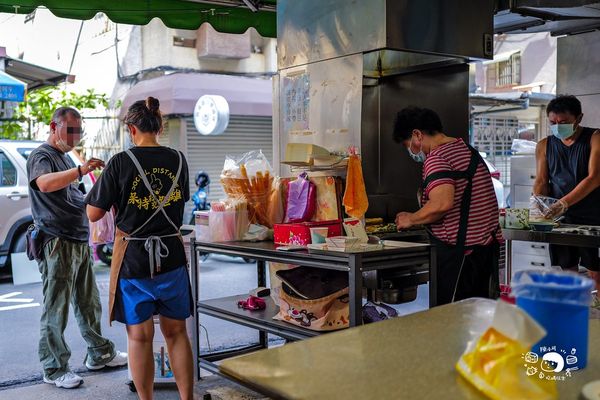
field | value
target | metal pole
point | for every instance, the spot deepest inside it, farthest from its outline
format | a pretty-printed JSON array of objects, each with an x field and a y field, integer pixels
[
  {"x": 261, "y": 272},
  {"x": 355, "y": 283},
  {"x": 508, "y": 267},
  {"x": 433, "y": 276},
  {"x": 194, "y": 278}
]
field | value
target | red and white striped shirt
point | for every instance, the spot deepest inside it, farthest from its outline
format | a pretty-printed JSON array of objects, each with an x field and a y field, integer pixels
[{"x": 483, "y": 214}]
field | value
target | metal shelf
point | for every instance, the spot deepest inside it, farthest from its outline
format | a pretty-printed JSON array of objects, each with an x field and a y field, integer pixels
[
  {"x": 342, "y": 164},
  {"x": 415, "y": 260},
  {"x": 226, "y": 308}
]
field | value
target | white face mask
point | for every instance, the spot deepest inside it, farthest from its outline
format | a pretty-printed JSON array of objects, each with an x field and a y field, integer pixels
[
  {"x": 59, "y": 142},
  {"x": 62, "y": 145},
  {"x": 418, "y": 157}
]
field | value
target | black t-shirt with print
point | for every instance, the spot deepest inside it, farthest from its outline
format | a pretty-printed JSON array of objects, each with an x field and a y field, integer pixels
[
  {"x": 121, "y": 186},
  {"x": 60, "y": 213}
]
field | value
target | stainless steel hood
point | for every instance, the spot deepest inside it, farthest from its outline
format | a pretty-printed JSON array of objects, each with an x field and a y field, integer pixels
[
  {"x": 346, "y": 67},
  {"x": 559, "y": 17},
  {"x": 311, "y": 31}
]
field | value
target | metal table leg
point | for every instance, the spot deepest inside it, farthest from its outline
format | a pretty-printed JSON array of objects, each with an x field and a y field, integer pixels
[
  {"x": 261, "y": 272},
  {"x": 194, "y": 286},
  {"x": 355, "y": 283},
  {"x": 508, "y": 267},
  {"x": 433, "y": 276}
]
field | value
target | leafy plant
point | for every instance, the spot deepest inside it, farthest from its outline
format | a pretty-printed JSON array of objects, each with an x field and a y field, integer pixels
[{"x": 34, "y": 114}]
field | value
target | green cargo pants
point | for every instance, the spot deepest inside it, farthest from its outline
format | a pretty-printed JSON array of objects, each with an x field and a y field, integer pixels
[{"x": 67, "y": 276}]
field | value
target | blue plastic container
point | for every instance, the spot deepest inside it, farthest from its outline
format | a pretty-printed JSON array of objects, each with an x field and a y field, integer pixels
[{"x": 560, "y": 302}]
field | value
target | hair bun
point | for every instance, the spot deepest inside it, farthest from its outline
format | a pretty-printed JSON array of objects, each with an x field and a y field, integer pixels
[{"x": 152, "y": 104}]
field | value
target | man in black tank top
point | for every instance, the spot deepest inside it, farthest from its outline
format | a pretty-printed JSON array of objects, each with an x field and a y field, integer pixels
[{"x": 568, "y": 168}]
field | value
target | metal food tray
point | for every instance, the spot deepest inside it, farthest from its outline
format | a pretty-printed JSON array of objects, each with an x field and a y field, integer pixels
[{"x": 590, "y": 230}]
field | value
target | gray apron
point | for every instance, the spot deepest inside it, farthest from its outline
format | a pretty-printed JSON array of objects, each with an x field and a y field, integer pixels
[{"x": 153, "y": 244}]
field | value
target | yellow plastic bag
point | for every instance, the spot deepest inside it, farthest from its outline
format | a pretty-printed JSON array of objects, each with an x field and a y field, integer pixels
[{"x": 494, "y": 363}]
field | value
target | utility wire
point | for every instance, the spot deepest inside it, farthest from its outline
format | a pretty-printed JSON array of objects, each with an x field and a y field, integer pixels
[{"x": 75, "y": 50}]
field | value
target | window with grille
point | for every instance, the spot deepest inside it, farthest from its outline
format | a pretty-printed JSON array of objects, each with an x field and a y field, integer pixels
[
  {"x": 509, "y": 72},
  {"x": 8, "y": 173}
]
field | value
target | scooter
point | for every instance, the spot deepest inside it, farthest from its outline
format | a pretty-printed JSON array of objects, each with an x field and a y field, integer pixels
[
  {"x": 200, "y": 198},
  {"x": 104, "y": 252}
]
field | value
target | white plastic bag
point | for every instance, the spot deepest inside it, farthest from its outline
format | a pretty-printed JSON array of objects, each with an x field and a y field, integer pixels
[
  {"x": 520, "y": 146},
  {"x": 103, "y": 230},
  {"x": 256, "y": 233}
]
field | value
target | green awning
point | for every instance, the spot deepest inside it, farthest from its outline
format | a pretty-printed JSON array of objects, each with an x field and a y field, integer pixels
[{"x": 178, "y": 14}]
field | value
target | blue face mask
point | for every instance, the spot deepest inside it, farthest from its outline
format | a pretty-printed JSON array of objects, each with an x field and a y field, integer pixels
[
  {"x": 562, "y": 131},
  {"x": 418, "y": 157}
]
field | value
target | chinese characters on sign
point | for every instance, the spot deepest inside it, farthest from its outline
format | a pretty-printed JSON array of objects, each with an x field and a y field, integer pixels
[{"x": 296, "y": 102}]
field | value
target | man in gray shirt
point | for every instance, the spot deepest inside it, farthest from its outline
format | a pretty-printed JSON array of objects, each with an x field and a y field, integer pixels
[{"x": 58, "y": 211}]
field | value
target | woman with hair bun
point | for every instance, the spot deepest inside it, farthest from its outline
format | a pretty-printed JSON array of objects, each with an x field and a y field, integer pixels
[{"x": 148, "y": 186}]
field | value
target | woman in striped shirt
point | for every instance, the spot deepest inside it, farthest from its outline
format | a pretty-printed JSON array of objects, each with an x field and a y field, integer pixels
[{"x": 459, "y": 207}]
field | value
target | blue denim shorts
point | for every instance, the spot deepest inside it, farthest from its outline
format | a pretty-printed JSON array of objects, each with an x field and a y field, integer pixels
[{"x": 168, "y": 294}]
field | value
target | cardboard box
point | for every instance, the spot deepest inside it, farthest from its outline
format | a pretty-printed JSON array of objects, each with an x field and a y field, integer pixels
[{"x": 302, "y": 154}]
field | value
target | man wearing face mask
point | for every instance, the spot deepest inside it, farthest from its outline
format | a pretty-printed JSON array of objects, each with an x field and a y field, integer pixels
[
  {"x": 59, "y": 216},
  {"x": 459, "y": 207},
  {"x": 568, "y": 169}
]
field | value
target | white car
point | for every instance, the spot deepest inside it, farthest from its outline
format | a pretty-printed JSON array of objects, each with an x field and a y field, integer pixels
[{"x": 14, "y": 197}]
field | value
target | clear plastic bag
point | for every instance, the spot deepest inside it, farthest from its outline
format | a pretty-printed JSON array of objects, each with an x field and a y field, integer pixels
[
  {"x": 222, "y": 226},
  {"x": 103, "y": 230},
  {"x": 257, "y": 233},
  {"x": 275, "y": 212},
  {"x": 553, "y": 287},
  {"x": 240, "y": 208},
  {"x": 250, "y": 177},
  {"x": 520, "y": 146},
  {"x": 228, "y": 220},
  {"x": 544, "y": 208}
]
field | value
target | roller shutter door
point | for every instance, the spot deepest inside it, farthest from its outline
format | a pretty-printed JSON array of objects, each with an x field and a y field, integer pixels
[{"x": 207, "y": 153}]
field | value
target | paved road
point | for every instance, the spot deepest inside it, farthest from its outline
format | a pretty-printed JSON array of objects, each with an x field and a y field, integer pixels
[
  {"x": 221, "y": 276},
  {"x": 19, "y": 327}
]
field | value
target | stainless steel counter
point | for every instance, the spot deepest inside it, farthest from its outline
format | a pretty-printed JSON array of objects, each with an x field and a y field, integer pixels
[
  {"x": 569, "y": 235},
  {"x": 411, "y": 357},
  {"x": 561, "y": 236}
]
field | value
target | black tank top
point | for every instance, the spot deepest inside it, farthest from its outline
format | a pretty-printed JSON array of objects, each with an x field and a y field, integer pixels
[{"x": 567, "y": 166}]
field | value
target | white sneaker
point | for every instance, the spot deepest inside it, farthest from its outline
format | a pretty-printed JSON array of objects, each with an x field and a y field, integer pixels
[
  {"x": 68, "y": 381},
  {"x": 119, "y": 360}
]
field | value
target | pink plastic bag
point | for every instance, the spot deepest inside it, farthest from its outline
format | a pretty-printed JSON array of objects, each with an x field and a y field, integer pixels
[
  {"x": 103, "y": 230},
  {"x": 302, "y": 199}
]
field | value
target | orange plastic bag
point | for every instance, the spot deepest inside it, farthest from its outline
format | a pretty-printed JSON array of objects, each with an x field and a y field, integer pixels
[
  {"x": 494, "y": 363},
  {"x": 355, "y": 196}
]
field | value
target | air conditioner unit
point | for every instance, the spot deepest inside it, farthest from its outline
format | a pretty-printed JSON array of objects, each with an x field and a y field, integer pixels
[{"x": 213, "y": 44}]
